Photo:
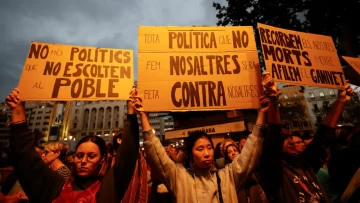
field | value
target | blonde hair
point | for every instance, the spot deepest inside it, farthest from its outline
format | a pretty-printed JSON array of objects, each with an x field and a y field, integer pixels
[{"x": 58, "y": 147}]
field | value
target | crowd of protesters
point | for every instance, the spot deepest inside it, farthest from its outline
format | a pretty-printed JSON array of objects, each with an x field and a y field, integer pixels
[{"x": 271, "y": 165}]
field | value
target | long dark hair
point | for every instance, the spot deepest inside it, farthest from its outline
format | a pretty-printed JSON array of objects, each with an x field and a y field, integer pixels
[
  {"x": 102, "y": 146},
  {"x": 110, "y": 150},
  {"x": 190, "y": 141},
  {"x": 217, "y": 151}
]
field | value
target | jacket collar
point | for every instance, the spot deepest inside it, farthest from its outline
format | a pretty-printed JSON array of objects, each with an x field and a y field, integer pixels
[{"x": 202, "y": 172}]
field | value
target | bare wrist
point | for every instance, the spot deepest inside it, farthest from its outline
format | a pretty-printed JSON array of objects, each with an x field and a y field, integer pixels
[
  {"x": 18, "y": 115},
  {"x": 341, "y": 101},
  {"x": 262, "y": 111},
  {"x": 272, "y": 94},
  {"x": 142, "y": 113},
  {"x": 130, "y": 111}
]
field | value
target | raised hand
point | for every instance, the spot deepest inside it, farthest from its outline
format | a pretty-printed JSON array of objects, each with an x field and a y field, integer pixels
[
  {"x": 338, "y": 107},
  {"x": 17, "y": 108},
  {"x": 346, "y": 94},
  {"x": 269, "y": 84},
  {"x": 13, "y": 99},
  {"x": 265, "y": 104},
  {"x": 134, "y": 102}
]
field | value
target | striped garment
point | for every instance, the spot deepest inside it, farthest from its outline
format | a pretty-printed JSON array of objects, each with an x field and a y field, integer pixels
[
  {"x": 137, "y": 191},
  {"x": 64, "y": 171}
]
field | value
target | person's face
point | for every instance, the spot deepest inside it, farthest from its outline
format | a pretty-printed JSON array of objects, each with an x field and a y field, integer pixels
[
  {"x": 118, "y": 140},
  {"x": 299, "y": 144},
  {"x": 289, "y": 147},
  {"x": 87, "y": 159},
  {"x": 232, "y": 152},
  {"x": 242, "y": 143},
  {"x": 49, "y": 156},
  {"x": 167, "y": 149},
  {"x": 173, "y": 151},
  {"x": 203, "y": 153}
]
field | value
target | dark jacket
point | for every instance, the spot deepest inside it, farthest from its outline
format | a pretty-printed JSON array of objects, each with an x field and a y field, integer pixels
[
  {"x": 42, "y": 184},
  {"x": 8, "y": 183},
  {"x": 286, "y": 178},
  {"x": 342, "y": 166}
]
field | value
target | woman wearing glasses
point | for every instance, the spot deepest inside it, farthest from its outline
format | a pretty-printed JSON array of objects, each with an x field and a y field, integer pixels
[
  {"x": 54, "y": 155},
  {"x": 91, "y": 181}
]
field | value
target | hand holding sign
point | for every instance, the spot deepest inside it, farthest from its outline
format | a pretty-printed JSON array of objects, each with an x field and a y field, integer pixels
[
  {"x": 265, "y": 103},
  {"x": 13, "y": 99},
  {"x": 269, "y": 84},
  {"x": 135, "y": 101},
  {"x": 345, "y": 95},
  {"x": 17, "y": 108}
]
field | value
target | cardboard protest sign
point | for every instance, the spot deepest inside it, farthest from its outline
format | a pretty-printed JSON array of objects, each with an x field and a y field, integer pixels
[
  {"x": 301, "y": 58},
  {"x": 64, "y": 72},
  {"x": 353, "y": 62},
  {"x": 198, "y": 68}
]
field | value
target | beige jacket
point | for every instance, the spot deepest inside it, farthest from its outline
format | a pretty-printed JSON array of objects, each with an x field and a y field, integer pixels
[{"x": 201, "y": 186}]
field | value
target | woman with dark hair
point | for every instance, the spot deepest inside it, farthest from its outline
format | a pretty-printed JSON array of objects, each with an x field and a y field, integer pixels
[
  {"x": 217, "y": 151},
  {"x": 202, "y": 181},
  {"x": 288, "y": 176},
  {"x": 54, "y": 155},
  {"x": 91, "y": 181}
]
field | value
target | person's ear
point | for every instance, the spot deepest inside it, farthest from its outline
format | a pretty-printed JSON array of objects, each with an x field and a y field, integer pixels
[{"x": 57, "y": 154}]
